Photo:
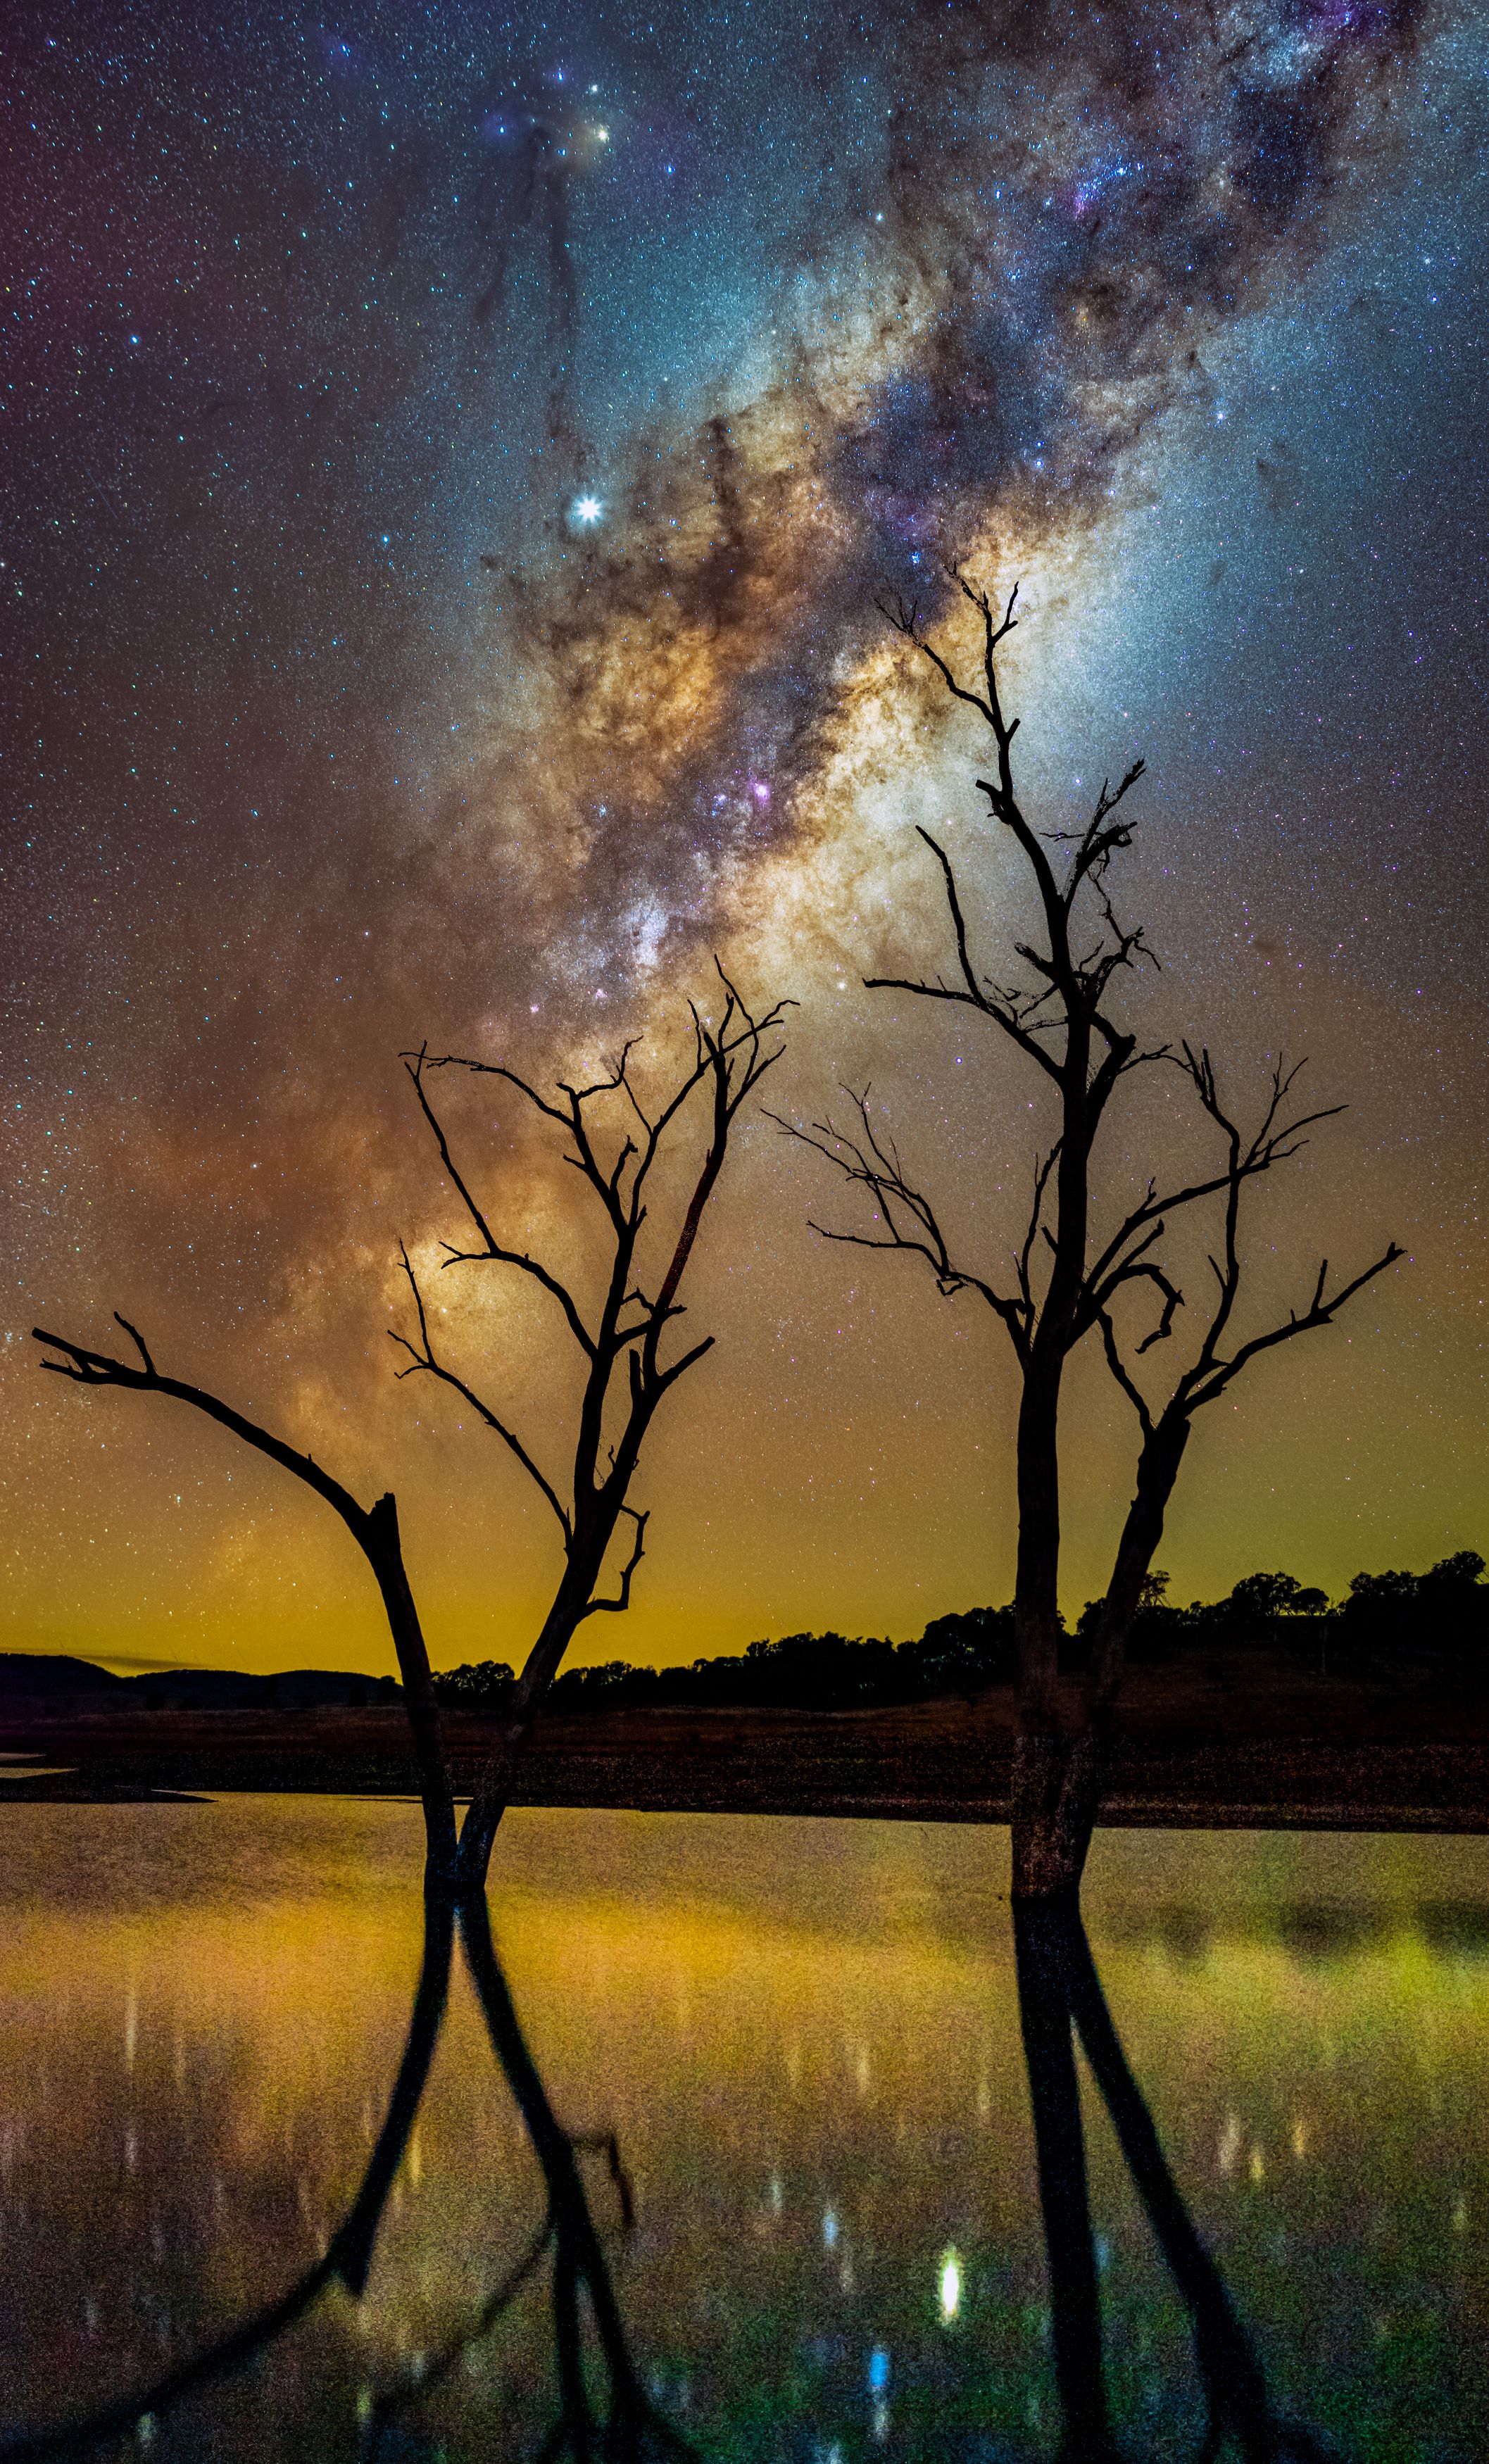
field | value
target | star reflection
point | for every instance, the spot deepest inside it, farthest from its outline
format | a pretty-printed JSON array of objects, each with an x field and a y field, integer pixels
[{"x": 601, "y": 2407}]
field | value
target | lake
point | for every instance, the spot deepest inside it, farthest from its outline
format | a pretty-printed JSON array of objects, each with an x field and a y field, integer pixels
[{"x": 804, "y": 2039}]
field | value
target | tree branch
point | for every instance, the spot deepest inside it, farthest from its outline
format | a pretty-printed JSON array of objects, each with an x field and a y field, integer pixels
[
  {"x": 718, "y": 1050},
  {"x": 877, "y": 1168},
  {"x": 374, "y": 1528},
  {"x": 85, "y": 1367},
  {"x": 679, "y": 1368},
  {"x": 1119, "y": 1372},
  {"x": 1042, "y": 1173},
  {"x": 1270, "y": 1146},
  {"x": 425, "y": 1358},
  {"x": 904, "y": 615},
  {"x": 623, "y": 1598},
  {"x": 1004, "y": 1013},
  {"x": 1320, "y": 1311},
  {"x": 1097, "y": 843},
  {"x": 491, "y": 1247},
  {"x": 1146, "y": 1271}
]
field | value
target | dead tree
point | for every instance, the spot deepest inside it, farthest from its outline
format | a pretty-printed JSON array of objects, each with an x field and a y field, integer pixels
[
  {"x": 1067, "y": 1279},
  {"x": 627, "y": 1375},
  {"x": 374, "y": 1528}
]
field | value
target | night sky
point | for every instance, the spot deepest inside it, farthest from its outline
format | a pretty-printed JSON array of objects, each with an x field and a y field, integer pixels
[{"x": 449, "y": 465}]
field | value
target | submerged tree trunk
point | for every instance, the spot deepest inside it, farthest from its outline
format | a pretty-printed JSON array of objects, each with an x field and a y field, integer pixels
[
  {"x": 1049, "y": 1842},
  {"x": 1036, "y": 1581},
  {"x": 1059, "y": 1016},
  {"x": 1056, "y": 1773},
  {"x": 1060, "y": 1765},
  {"x": 1054, "y": 1799}
]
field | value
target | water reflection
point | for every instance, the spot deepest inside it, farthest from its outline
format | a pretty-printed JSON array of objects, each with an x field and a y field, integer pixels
[
  {"x": 601, "y": 2413},
  {"x": 624, "y": 2424},
  {"x": 814, "y": 2045},
  {"x": 1060, "y": 1998}
]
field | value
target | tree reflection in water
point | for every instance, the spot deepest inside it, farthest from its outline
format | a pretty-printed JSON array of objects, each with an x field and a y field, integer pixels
[
  {"x": 603, "y": 2414},
  {"x": 618, "y": 2426},
  {"x": 1059, "y": 1998}
]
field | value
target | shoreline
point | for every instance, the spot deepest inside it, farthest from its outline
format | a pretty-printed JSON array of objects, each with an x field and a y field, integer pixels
[{"x": 1228, "y": 1747}]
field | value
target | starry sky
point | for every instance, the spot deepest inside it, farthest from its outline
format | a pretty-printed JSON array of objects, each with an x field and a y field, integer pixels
[{"x": 451, "y": 465}]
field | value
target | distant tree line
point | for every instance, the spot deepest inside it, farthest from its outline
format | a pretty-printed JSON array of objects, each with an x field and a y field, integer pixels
[
  {"x": 1393, "y": 1624},
  {"x": 1382, "y": 1622},
  {"x": 956, "y": 1654}
]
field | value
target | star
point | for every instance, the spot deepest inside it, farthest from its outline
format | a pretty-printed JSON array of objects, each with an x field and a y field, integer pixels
[{"x": 587, "y": 510}]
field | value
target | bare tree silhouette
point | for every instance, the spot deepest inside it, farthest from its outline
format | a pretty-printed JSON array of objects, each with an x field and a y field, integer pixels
[
  {"x": 625, "y": 1376},
  {"x": 1068, "y": 1281},
  {"x": 625, "y": 1379}
]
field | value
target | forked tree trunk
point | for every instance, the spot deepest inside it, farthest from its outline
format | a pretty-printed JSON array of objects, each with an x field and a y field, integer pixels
[
  {"x": 1056, "y": 1797},
  {"x": 1060, "y": 1747},
  {"x": 497, "y": 1777},
  {"x": 1060, "y": 1751},
  {"x": 1056, "y": 1779}
]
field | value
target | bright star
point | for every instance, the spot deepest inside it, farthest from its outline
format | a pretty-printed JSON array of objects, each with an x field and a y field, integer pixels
[{"x": 587, "y": 509}]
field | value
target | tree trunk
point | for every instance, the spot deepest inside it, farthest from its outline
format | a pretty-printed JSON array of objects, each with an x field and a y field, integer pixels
[
  {"x": 384, "y": 1555},
  {"x": 1056, "y": 1796},
  {"x": 1060, "y": 1770},
  {"x": 1055, "y": 1775},
  {"x": 1036, "y": 1579},
  {"x": 1157, "y": 1470},
  {"x": 492, "y": 1792}
]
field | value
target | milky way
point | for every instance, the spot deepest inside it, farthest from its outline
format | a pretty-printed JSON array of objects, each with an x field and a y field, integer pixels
[
  {"x": 1069, "y": 210},
  {"x": 450, "y": 477}
]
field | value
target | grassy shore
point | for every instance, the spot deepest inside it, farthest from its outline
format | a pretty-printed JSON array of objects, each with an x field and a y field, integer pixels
[{"x": 1224, "y": 1739}]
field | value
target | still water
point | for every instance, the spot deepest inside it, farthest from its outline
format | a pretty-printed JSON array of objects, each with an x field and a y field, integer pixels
[{"x": 804, "y": 2039}]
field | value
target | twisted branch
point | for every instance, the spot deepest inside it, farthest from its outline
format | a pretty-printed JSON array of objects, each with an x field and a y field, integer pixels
[{"x": 623, "y": 1598}]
